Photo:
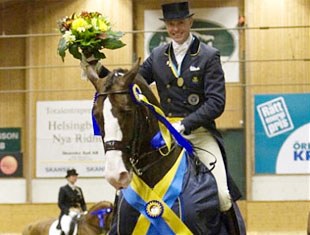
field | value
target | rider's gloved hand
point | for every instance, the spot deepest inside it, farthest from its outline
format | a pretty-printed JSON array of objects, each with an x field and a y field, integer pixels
[
  {"x": 73, "y": 213},
  {"x": 88, "y": 61},
  {"x": 179, "y": 127}
]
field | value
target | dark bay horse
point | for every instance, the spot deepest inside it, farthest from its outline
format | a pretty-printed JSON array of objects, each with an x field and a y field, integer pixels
[
  {"x": 163, "y": 190},
  {"x": 89, "y": 224}
]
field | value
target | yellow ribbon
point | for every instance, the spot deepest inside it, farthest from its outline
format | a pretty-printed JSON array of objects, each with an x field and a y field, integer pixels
[
  {"x": 174, "y": 119},
  {"x": 163, "y": 129},
  {"x": 157, "y": 193}
]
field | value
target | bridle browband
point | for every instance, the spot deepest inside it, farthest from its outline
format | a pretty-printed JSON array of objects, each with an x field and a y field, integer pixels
[{"x": 105, "y": 93}]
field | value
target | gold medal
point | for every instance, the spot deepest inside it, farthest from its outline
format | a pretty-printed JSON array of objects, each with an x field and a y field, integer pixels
[{"x": 180, "y": 81}]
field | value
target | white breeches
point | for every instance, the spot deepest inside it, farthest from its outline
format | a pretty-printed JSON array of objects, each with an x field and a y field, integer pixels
[{"x": 203, "y": 139}]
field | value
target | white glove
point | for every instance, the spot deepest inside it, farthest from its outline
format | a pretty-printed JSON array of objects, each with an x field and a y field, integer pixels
[
  {"x": 179, "y": 127},
  {"x": 87, "y": 62}
]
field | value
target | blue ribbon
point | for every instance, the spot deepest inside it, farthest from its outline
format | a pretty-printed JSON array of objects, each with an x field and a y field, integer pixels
[
  {"x": 100, "y": 214},
  {"x": 139, "y": 204},
  {"x": 95, "y": 124}
]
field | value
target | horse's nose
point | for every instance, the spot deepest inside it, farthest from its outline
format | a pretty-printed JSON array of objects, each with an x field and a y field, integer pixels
[
  {"x": 124, "y": 179},
  {"x": 115, "y": 171}
]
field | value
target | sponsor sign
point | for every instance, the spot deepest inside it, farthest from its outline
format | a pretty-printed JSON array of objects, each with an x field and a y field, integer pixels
[
  {"x": 65, "y": 140},
  {"x": 10, "y": 139},
  {"x": 225, "y": 40},
  {"x": 11, "y": 164},
  {"x": 282, "y": 134}
]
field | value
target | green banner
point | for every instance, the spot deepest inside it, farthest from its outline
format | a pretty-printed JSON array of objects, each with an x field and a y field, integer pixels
[{"x": 10, "y": 139}]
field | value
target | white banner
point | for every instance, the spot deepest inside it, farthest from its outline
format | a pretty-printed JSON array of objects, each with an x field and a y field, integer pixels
[
  {"x": 226, "y": 40},
  {"x": 65, "y": 140}
]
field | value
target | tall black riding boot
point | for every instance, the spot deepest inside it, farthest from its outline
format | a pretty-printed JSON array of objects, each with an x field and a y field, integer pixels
[
  {"x": 59, "y": 227},
  {"x": 231, "y": 221}
]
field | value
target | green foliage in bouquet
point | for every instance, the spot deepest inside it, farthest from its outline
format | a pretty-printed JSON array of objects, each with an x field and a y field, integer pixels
[{"x": 87, "y": 33}]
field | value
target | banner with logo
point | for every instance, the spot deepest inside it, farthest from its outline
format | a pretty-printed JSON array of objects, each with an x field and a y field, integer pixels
[
  {"x": 65, "y": 140},
  {"x": 226, "y": 40},
  {"x": 10, "y": 139},
  {"x": 282, "y": 134},
  {"x": 11, "y": 164}
]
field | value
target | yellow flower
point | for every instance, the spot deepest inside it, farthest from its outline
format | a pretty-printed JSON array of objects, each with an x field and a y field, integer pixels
[
  {"x": 80, "y": 25},
  {"x": 102, "y": 25},
  {"x": 87, "y": 31},
  {"x": 94, "y": 23}
]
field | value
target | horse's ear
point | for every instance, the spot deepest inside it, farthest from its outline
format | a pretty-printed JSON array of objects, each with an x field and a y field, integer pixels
[{"x": 131, "y": 74}]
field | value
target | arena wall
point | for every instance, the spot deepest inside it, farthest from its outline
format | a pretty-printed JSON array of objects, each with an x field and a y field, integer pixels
[{"x": 282, "y": 217}]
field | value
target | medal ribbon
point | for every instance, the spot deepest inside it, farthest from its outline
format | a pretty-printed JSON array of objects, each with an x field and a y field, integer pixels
[
  {"x": 165, "y": 192},
  {"x": 176, "y": 72}
]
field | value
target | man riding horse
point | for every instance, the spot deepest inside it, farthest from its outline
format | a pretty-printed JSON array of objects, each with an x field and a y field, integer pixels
[{"x": 191, "y": 86}]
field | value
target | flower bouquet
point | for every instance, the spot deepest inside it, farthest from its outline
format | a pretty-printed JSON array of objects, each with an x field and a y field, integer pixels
[{"x": 87, "y": 33}]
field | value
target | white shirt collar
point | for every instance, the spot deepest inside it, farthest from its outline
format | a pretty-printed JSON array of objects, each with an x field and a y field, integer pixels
[
  {"x": 72, "y": 186},
  {"x": 180, "y": 48}
]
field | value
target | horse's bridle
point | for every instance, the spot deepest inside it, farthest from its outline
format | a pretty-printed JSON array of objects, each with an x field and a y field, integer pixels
[
  {"x": 113, "y": 144},
  {"x": 133, "y": 147}
]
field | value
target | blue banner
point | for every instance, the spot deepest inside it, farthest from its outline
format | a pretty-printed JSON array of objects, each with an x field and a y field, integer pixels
[{"x": 282, "y": 134}]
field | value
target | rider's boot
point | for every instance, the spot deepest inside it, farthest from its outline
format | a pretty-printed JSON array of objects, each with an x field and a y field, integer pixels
[
  {"x": 58, "y": 226},
  {"x": 231, "y": 222}
]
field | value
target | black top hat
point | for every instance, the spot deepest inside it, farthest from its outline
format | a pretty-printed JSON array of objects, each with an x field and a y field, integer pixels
[
  {"x": 71, "y": 172},
  {"x": 175, "y": 11}
]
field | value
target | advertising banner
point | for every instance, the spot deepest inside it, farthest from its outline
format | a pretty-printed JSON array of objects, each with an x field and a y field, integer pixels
[
  {"x": 282, "y": 134},
  {"x": 65, "y": 140},
  {"x": 223, "y": 38},
  {"x": 10, "y": 139},
  {"x": 11, "y": 164}
]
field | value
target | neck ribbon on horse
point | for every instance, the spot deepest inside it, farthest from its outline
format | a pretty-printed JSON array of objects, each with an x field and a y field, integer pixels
[{"x": 155, "y": 204}]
